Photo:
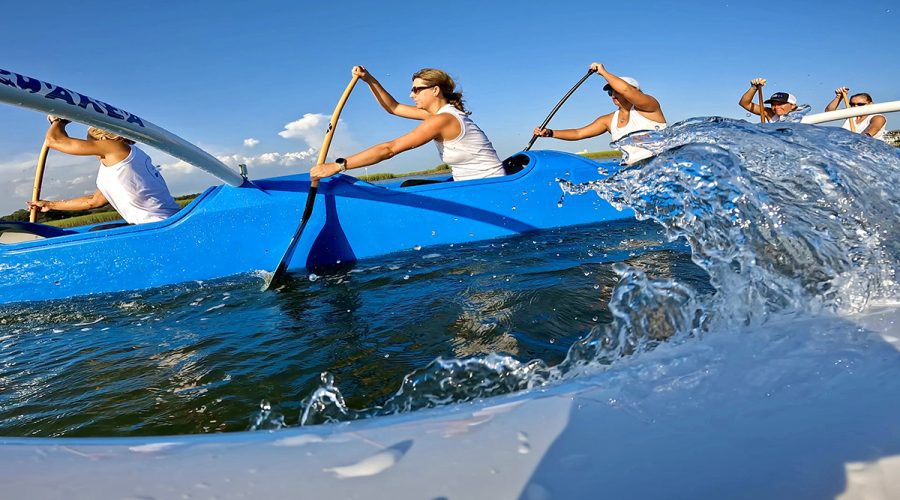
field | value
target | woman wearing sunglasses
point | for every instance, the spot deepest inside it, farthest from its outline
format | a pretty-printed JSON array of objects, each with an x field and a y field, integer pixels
[
  {"x": 461, "y": 144},
  {"x": 636, "y": 112},
  {"x": 870, "y": 125}
]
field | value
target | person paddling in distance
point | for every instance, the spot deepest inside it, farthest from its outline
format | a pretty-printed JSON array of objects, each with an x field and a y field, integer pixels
[
  {"x": 636, "y": 111},
  {"x": 780, "y": 104},
  {"x": 127, "y": 178},
  {"x": 460, "y": 143},
  {"x": 870, "y": 125}
]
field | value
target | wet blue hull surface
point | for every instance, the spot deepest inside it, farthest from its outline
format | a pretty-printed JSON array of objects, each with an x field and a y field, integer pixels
[{"x": 232, "y": 230}]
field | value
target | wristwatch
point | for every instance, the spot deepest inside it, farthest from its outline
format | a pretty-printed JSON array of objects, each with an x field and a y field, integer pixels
[{"x": 342, "y": 163}]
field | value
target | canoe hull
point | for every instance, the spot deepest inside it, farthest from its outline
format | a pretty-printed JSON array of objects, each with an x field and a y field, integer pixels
[{"x": 233, "y": 230}]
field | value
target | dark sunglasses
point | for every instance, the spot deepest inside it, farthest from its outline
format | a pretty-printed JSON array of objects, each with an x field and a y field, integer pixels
[
  {"x": 854, "y": 104},
  {"x": 416, "y": 90},
  {"x": 609, "y": 93}
]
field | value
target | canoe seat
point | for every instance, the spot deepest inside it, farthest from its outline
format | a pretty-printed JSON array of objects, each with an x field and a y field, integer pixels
[
  {"x": 17, "y": 232},
  {"x": 420, "y": 182}
]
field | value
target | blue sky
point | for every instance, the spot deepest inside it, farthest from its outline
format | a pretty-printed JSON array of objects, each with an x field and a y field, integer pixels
[{"x": 220, "y": 73}]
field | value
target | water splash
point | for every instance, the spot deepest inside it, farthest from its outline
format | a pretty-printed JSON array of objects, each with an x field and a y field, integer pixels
[{"x": 787, "y": 218}]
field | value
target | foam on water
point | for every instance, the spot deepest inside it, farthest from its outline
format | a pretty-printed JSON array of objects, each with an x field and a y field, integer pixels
[{"x": 789, "y": 221}]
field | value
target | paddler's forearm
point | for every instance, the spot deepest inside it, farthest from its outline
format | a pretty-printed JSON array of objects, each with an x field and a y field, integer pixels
[
  {"x": 371, "y": 156},
  {"x": 569, "y": 134},
  {"x": 87, "y": 202},
  {"x": 383, "y": 97},
  {"x": 746, "y": 101}
]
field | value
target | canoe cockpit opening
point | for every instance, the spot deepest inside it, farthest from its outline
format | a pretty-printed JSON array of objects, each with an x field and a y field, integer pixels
[
  {"x": 511, "y": 165},
  {"x": 514, "y": 164},
  {"x": 18, "y": 232},
  {"x": 421, "y": 182}
]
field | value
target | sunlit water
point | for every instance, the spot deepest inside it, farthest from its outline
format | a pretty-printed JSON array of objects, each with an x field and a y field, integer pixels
[{"x": 767, "y": 224}]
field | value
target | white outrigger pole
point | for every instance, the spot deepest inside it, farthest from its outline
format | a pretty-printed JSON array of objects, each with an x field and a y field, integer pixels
[
  {"x": 842, "y": 114},
  {"x": 27, "y": 92}
]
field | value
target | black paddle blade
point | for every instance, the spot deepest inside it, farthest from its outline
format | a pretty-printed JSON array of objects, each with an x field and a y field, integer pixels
[{"x": 281, "y": 270}]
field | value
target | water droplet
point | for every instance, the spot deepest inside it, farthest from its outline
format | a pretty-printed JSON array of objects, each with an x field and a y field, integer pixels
[
  {"x": 313, "y": 276},
  {"x": 596, "y": 287},
  {"x": 433, "y": 232},
  {"x": 406, "y": 277},
  {"x": 514, "y": 207},
  {"x": 524, "y": 445}
]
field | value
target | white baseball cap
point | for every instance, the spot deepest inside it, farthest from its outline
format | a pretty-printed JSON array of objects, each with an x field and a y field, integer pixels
[{"x": 629, "y": 80}]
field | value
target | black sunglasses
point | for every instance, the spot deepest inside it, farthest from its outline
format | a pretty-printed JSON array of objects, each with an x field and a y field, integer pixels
[
  {"x": 416, "y": 90},
  {"x": 854, "y": 104}
]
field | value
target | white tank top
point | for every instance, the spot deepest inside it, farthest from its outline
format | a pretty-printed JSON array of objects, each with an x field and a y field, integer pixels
[
  {"x": 135, "y": 188},
  {"x": 863, "y": 125},
  {"x": 471, "y": 155},
  {"x": 636, "y": 123}
]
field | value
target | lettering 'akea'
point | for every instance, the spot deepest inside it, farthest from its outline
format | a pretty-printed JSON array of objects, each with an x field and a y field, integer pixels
[{"x": 70, "y": 97}]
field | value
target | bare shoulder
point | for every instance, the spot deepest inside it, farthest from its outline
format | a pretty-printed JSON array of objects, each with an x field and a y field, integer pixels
[{"x": 605, "y": 119}]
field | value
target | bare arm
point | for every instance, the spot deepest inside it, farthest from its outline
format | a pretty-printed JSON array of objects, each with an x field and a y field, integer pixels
[
  {"x": 57, "y": 138},
  {"x": 593, "y": 129},
  {"x": 431, "y": 128},
  {"x": 644, "y": 103},
  {"x": 746, "y": 101},
  {"x": 874, "y": 126},
  {"x": 87, "y": 202},
  {"x": 839, "y": 94},
  {"x": 386, "y": 100}
]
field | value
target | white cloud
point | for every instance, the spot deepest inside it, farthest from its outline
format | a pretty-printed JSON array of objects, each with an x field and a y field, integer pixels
[
  {"x": 310, "y": 128},
  {"x": 250, "y": 142},
  {"x": 288, "y": 159}
]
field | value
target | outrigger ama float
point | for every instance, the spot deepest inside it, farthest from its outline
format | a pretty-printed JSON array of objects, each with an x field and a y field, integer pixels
[{"x": 246, "y": 225}]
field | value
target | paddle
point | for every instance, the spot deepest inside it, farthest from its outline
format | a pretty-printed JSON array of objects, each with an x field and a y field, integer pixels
[
  {"x": 38, "y": 180},
  {"x": 762, "y": 105},
  {"x": 281, "y": 269},
  {"x": 556, "y": 108},
  {"x": 847, "y": 105}
]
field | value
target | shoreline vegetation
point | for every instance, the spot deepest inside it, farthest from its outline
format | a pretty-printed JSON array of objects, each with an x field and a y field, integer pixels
[{"x": 106, "y": 214}]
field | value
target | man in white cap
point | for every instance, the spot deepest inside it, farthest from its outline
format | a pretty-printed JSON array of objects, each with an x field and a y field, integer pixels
[
  {"x": 636, "y": 112},
  {"x": 780, "y": 104}
]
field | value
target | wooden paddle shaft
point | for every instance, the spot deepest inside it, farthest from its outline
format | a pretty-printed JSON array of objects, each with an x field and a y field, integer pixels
[
  {"x": 332, "y": 125},
  {"x": 762, "y": 105},
  {"x": 38, "y": 180},
  {"x": 847, "y": 105}
]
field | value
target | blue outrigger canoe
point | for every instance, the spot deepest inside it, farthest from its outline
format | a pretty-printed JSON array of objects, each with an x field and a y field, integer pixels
[{"x": 245, "y": 226}]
